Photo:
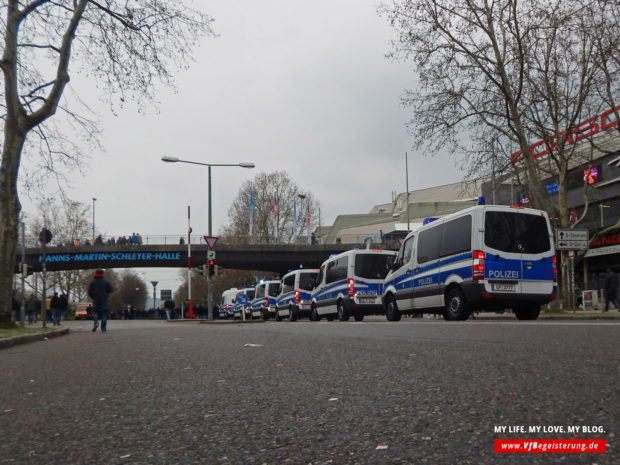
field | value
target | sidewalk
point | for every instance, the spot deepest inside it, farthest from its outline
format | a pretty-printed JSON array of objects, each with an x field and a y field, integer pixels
[
  {"x": 566, "y": 315},
  {"x": 38, "y": 333}
]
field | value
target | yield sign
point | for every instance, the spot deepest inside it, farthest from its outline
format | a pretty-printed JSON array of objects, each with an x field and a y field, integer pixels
[{"x": 210, "y": 241}]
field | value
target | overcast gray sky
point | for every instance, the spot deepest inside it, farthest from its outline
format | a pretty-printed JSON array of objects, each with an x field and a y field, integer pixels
[{"x": 290, "y": 85}]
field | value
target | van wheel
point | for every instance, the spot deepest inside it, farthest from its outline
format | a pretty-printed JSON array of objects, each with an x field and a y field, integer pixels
[
  {"x": 391, "y": 309},
  {"x": 292, "y": 314},
  {"x": 359, "y": 317},
  {"x": 343, "y": 314},
  {"x": 456, "y": 306},
  {"x": 314, "y": 315},
  {"x": 527, "y": 313}
]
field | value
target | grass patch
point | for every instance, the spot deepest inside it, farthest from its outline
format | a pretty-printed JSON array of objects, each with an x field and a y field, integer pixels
[
  {"x": 555, "y": 311},
  {"x": 14, "y": 332}
]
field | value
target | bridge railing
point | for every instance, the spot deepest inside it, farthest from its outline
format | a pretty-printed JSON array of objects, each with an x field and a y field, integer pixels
[{"x": 176, "y": 239}]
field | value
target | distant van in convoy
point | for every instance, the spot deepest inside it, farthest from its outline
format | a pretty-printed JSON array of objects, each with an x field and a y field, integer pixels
[
  {"x": 350, "y": 284},
  {"x": 264, "y": 303},
  {"x": 484, "y": 258},
  {"x": 243, "y": 301},
  {"x": 295, "y": 299},
  {"x": 226, "y": 303}
]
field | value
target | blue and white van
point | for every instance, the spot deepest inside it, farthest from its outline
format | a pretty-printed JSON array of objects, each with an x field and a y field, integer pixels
[
  {"x": 295, "y": 299},
  {"x": 483, "y": 258},
  {"x": 225, "y": 307},
  {"x": 264, "y": 303},
  {"x": 351, "y": 284},
  {"x": 243, "y": 299}
]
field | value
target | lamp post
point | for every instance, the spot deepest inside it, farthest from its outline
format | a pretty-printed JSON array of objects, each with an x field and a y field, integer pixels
[
  {"x": 242, "y": 165},
  {"x": 154, "y": 283},
  {"x": 601, "y": 206},
  {"x": 407, "y": 186},
  {"x": 94, "y": 200}
]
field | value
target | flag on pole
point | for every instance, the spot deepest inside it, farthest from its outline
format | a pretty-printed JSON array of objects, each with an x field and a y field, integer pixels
[
  {"x": 294, "y": 235},
  {"x": 308, "y": 225},
  {"x": 275, "y": 218},
  {"x": 251, "y": 214}
]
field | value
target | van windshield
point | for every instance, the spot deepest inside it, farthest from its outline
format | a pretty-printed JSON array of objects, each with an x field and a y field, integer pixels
[
  {"x": 516, "y": 232},
  {"x": 307, "y": 280},
  {"x": 373, "y": 266},
  {"x": 250, "y": 294}
]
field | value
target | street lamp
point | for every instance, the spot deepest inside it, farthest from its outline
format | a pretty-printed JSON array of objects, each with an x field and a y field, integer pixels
[
  {"x": 154, "y": 283},
  {"x": 94, "y": 200},
  {"x": 242, "y": 165},
  {"x": 303, "y": 197},
  {"x": 601, "y": 206}
]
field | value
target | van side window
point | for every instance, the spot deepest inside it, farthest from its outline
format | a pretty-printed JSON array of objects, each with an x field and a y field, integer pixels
[
  {"x": 428, "y": 244},
  {"x": 288, "y": 284},
  {"x": 337, "y": 270},
  {"x": 342, "y": 267},
  {"x": 330, "y": 274},
  {"x": 274, "y": 289},
  {"x": 260, "y": 291},
  {"x": 307, "y": 280},
  {"x": 407, "y": 251},
  {"x": 319, "y": 277},
  {"x": 456, "y": 236}
]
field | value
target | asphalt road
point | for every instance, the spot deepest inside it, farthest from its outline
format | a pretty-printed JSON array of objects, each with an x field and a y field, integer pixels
[{"x": 420, "y": 391}]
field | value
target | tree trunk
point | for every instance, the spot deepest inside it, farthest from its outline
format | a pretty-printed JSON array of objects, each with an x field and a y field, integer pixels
[{"x": 9, "y": 215}]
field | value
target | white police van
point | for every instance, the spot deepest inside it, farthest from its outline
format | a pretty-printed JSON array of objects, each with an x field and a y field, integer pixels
[
  {"x": 350, "y": 283},
  {"x": 243, "y": 300},
  {"x": 264, "y": 303},
  {"x": 225, "y": 308},
  {"x": 295, "y": 299},
  {"x": 484, "y": 258}
]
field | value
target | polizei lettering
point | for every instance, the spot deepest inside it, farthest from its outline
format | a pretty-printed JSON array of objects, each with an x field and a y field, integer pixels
[{"x": 504, "y": 274}]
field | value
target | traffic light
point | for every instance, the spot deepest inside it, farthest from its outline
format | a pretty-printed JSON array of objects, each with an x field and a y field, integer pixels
[
  {"x": 202, "y": 271},
  {"x": 211, "y": 267}
]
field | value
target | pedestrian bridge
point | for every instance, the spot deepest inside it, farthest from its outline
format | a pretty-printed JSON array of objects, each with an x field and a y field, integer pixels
[{"x": 277, "y": 258}]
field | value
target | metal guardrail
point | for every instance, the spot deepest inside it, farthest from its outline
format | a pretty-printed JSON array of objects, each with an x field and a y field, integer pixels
[{"x": 175, "y": 239}]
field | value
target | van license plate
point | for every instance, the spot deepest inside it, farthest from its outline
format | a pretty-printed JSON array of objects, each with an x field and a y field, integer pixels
[
  {"x": 367, "y": 300},
  {"x": 504, "y": 287}
]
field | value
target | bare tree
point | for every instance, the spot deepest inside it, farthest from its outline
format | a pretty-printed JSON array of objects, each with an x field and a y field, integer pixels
[
  {"x": 130, "y": 290},
  {"x": 281, "y": 211},
  {"x": 126, "y": 47},
  {"x": 509, "y": 73},
  {"x": 67, "y": 220}
]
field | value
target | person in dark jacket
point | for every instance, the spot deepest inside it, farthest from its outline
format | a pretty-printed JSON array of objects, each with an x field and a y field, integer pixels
[
  {"x": 98, "y": 290},
  {"x": 611, "y": 289},
  {"x": 56, "y": 307}
]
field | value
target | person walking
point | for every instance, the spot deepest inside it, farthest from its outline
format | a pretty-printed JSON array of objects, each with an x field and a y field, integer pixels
[
  {"x": 611, "y": 289},
  {"x": 64, "y": 306},
  {"x": 98, "y": 290},
  {"x": 169, "y": 308},
  {"x": 32, "y": 307},
  {"x": 56, "y": 308}
]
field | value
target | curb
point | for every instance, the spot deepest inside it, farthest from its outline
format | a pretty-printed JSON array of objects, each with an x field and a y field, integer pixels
[
  {"x": 13, "y": 341},
  {"x": 214, "y": 322}
]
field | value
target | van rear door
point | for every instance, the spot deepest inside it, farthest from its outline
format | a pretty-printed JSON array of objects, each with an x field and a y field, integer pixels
[{"x": 518, "y": 252}]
